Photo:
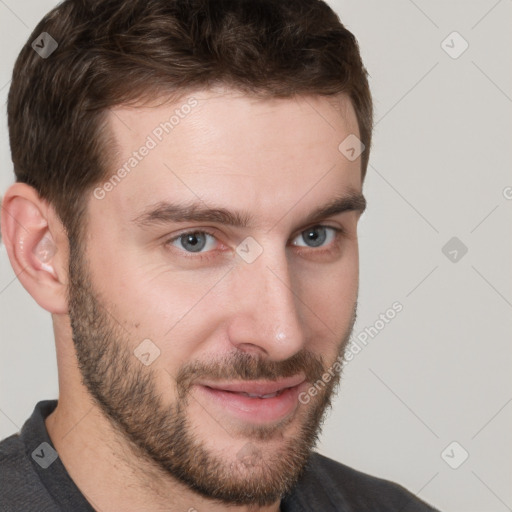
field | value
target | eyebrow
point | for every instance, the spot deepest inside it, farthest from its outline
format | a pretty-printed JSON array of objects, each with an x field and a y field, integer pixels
[{"x": 165, "y": 212}]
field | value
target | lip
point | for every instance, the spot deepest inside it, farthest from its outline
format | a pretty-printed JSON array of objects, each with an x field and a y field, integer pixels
[
  {"x": 228, "y": 398},
  {"x": 255, "y": 387}
]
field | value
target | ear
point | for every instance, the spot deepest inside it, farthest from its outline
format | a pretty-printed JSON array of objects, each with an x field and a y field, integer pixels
[{"x": 37, "y": 245}]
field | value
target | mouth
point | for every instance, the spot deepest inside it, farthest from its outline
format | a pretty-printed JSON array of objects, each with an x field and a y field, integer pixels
[{"x": 256, "y": 402}]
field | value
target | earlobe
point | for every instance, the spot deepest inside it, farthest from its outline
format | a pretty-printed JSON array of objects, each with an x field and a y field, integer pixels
[{"x": 34, "y": 243}]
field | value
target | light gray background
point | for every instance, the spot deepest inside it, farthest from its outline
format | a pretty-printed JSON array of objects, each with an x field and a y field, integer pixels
[{"x": 440, "y": 371}]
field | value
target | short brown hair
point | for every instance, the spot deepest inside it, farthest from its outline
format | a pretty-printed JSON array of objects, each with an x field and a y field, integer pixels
[{"x": 115, "y": 52}]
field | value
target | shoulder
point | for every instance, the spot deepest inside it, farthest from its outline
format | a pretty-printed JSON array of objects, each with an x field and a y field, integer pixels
[
  {"x": 329, "y": 485},
  {"x": 13, "y": 460},
  {"x": 20, "y": 486}
]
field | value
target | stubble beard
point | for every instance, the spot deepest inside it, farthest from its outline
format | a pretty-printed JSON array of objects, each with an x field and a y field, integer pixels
[{"x": 126, "y": 393}]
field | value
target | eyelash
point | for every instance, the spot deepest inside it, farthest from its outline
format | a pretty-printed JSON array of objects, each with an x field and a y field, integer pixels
[{"x": 208, "y": 254}]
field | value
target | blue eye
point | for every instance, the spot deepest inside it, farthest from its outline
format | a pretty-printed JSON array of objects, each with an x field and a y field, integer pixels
[
  {"x": 194, "y": 241},
  {"x": 316, "y": 235},
  {"x": 201, "y": 242}
]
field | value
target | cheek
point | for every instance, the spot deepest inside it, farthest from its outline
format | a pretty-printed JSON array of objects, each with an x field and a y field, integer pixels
[
  {"x": 176, "y": 311},
  {"x": 335, "y": 283},
  {"x": 143, "y": 307},
  {"x": 330, "y": 295}
]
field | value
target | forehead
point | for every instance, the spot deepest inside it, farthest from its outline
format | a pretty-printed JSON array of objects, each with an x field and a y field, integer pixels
[{"x": 233, "y": 149}]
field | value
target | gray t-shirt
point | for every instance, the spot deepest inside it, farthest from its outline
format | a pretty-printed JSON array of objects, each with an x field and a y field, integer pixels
[{"x": 33, "y": 479}]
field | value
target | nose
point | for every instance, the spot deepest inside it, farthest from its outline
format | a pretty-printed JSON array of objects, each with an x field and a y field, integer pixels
[{"x": 266, "y": 316}]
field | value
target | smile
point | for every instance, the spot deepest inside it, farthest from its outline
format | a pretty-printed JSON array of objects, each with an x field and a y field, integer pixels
[{"x": 256, "y": 402}]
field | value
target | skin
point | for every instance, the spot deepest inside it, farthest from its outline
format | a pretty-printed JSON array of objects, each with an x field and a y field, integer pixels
[{"x": 276, "y": 159}]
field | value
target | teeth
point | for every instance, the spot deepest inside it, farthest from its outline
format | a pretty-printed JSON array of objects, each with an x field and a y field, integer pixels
[{"x": 270, "y": 395}]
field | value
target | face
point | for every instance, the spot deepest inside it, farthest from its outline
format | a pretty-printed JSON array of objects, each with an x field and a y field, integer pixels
[{"x": 206, "y": 297}]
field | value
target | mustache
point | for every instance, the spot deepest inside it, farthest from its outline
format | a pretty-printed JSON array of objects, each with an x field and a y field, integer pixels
[{"x": 244, "y": 366}]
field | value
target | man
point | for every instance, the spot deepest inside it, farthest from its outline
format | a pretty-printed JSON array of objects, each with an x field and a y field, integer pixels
[{"x": 189, "y": 183}]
